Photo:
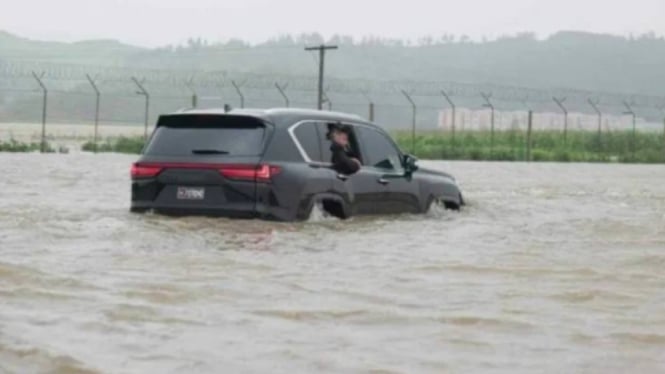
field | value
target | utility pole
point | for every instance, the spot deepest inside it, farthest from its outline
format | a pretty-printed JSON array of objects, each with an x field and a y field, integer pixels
[{"x": 322, "y": 58}]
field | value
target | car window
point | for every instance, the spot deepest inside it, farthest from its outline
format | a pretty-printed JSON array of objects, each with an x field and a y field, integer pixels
[
  {"x": 379, "y": 151},
  {"x": 180, "y": 135},
  {"x": 326, "y": 154},
  {"x": 325, "y": 143},
  {"x": 308, "y": 137}
]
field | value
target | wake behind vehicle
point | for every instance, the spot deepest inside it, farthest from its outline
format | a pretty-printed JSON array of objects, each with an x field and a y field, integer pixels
[{"x": 275, "y": 164}]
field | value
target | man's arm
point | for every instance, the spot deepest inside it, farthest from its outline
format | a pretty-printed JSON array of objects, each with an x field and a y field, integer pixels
[{"x": 342, "y": 162}]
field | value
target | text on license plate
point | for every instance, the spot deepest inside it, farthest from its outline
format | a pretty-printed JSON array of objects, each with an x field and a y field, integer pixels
[{"x": 191, "y": 193}]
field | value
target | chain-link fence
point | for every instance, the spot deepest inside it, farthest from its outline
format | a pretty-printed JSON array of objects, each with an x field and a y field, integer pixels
[{"x": 431, "y": 119}]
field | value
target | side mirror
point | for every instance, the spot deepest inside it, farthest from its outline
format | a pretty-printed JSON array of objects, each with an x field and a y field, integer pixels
[{"x": 409, "y": 162}]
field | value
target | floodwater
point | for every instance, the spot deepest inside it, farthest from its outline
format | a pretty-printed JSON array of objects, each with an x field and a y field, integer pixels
[{"x": 551, "y": 268}]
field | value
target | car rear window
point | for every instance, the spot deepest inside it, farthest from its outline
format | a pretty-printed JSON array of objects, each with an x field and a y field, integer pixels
[{"x": 181, "y": 135}]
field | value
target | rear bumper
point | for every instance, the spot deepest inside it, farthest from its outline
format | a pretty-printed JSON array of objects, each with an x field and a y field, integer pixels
[{"x": 234, "y": 212}]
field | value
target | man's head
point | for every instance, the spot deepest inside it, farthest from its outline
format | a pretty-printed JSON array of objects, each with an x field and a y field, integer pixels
[{"x": 339, "y": 134}]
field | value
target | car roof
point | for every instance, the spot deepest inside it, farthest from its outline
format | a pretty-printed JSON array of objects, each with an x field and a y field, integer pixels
[{"x": 282, "y": 117}]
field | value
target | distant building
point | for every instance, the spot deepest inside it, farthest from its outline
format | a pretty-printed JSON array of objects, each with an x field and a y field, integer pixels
[{"x": 468, "y": 119}]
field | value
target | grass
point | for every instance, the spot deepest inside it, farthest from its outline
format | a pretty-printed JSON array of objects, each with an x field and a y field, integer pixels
[
  {"x": 129, "y": 145},
  {"x": 579, "y": 146},
  {"x": 511, "y": 145},
  {"x": 14, "y": 146}
]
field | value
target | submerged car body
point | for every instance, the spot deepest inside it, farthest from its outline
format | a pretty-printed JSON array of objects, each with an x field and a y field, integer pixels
[{"x": 275, "y": 164}]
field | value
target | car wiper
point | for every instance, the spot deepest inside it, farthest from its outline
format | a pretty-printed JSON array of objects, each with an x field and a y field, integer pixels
[{"x": 209, "y": 152}]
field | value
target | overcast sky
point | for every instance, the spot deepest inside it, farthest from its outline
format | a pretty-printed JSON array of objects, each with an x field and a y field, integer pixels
[{"x": 160, "y": 22}]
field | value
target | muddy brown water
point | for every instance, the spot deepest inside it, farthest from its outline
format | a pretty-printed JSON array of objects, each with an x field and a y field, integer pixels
[{"x": 551, "y": 268}]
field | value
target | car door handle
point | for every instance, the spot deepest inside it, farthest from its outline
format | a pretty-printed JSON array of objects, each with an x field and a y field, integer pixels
[
  {"x": 342, "y": 177},
  {"x": 383, "y": 181}
]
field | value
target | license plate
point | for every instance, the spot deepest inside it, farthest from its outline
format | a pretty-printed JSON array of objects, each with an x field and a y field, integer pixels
[{"x": 191, "y": 193}]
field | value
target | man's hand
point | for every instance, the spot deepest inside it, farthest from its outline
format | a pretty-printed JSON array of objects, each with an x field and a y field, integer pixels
[{"x": 360, "y": 164}]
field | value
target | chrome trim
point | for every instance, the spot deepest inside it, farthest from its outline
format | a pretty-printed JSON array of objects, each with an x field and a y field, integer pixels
[
  {"x": 301, "y": 149},
  {"x": 292, "y": 133}
]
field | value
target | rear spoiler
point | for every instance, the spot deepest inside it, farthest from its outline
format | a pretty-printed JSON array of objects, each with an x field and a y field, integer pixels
[{"x": 203, "y": 119}]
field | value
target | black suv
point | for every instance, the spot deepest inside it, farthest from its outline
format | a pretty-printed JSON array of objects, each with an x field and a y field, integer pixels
[{"x": 275, "y": 164}]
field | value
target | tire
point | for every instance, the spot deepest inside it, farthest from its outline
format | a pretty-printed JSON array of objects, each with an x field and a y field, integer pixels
[
  {"x": 448, "y": 205},
  {"x": 431, "y": 202}
]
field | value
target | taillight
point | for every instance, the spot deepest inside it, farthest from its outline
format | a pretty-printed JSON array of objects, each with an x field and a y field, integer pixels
[
  {"x": 254, "y": 173},
  {"x": 264, "y": 173},
  {"x": 145, "y": 171},
  {"x": 258, "y": 173}
]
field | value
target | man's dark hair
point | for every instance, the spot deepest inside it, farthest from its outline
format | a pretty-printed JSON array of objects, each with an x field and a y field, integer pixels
[{"x": 336, "y": 126}]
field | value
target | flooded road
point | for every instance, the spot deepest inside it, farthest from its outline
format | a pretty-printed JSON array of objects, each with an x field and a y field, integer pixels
[{"x": 551, "y": 268}]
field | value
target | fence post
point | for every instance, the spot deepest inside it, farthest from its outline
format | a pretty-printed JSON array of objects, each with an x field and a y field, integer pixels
[
  {"x": 371, "y": 106},
  {"x": 143, "y": 92},
  {"x": 326, "y": 98},
  {"x": 97, "y": 100},
  {"x": 220, "y": 86},
  {"x": 195, "y": 96},
  {"x": 282, "y": 91},
  {"x": 529, "y": 143},
  {"x": 631, "y": 113},
  {"x": 454, "y": 109},
  {"x": 242, "y": 97},
  {"x": 560, "y": 102},
  {"x": 38, "y": 78},
  {"x": 413, "y": 123},
  {"x": 662, "y": 110},
  {"x": 488, "y": 104},
  {"x": 594, "y": 105}
]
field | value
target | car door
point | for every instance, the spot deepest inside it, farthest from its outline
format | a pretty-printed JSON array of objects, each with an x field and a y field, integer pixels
[
  {"x": 384, "y": 159},
  {"x": 319, "y": 175},
  {"x": 364, "y": 190},
  {"x": 369, "y": 191}
]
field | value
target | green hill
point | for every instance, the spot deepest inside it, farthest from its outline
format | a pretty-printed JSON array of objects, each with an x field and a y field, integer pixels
[{"x": 566, "y": 59}]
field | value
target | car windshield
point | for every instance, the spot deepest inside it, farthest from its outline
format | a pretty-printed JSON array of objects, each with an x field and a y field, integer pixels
[{"x": 181, "y": 135}]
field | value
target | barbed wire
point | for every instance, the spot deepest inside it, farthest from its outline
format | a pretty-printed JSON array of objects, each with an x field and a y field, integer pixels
[{"x": 67, "y": 78}]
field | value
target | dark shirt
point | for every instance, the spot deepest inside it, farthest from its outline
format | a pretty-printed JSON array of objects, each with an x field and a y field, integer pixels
[{"x": 341, "y": 160}]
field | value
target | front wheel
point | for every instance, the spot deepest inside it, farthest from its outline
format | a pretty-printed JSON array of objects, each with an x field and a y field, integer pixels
[
  {"x": 437, "y": 205},
  {"x": 433, "y": 204},
  {"x": 325, "y": 208}
]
